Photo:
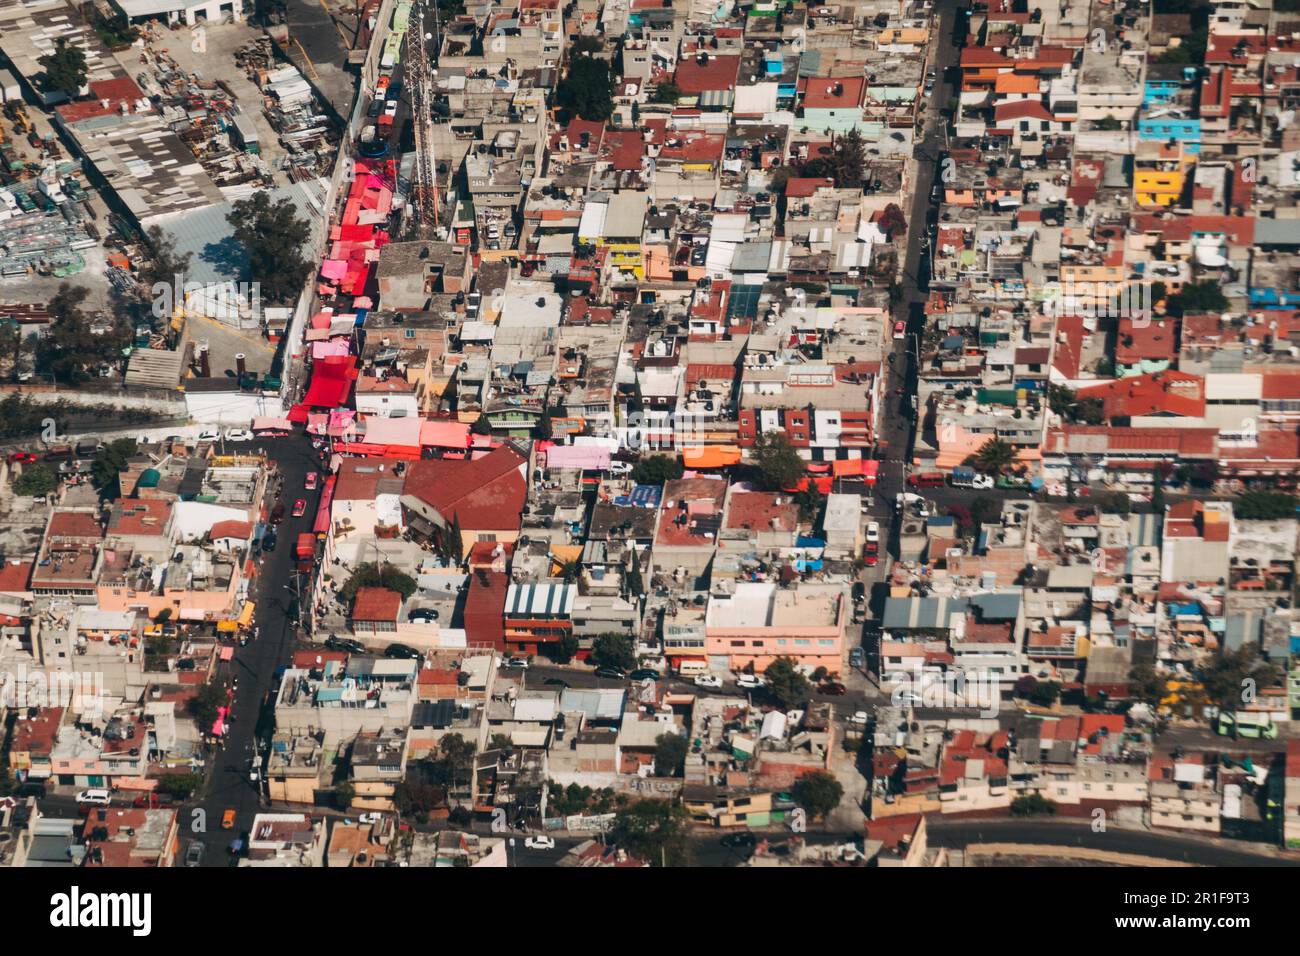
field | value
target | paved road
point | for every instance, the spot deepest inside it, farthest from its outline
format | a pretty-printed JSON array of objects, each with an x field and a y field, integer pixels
[
  {"x": 254, "y": 665},
  {"x": 956, "y": 834}
]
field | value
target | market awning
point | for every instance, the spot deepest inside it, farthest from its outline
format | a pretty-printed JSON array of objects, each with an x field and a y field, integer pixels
[
  {"x": 711, "y": 456},
  {"x": 245, "y": 618},
  {"x": 191, "y": 614}
]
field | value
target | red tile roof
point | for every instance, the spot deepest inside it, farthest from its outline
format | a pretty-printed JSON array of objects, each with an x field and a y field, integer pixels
[
  {"x": 833, "y": 92},
  {"x": 485, "y": 493},
  {"x": 15, "y": 576},
  {"x": 1160, "y": 393},
  {"x": 720, "y": 73},
  {"x": 376, "y": 604}
]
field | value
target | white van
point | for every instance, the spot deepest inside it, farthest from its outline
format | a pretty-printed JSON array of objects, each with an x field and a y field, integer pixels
[
  {"x": 96, "y": 796},
  {"x": 691, "y": 668}
]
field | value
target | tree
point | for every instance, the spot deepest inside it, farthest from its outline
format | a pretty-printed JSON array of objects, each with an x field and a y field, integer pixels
[
  {"x": 667, "y": 92},
  {"x": 481, "y": 426},
  {"x": 779, "y": 465},
  {"x": 15, "y": 348},
  {"x": 179, "y": 785},
  {"x": 613, "y": 650},
  {"x": 344, "y": 794},
  {"x": 1109, "y": 123},
  {"x": 786, "y": 684},
  {"x": 891, "y": 222},
  {"x": 563, "y": 650},
  {"x": 500, "y": 742},
  {"x": 109, "y": 463},
  {"x": 274, "y": 238},
  {"x": 653, "y": 831},
  {"x": 670, "y": 754},
  {"x": 69, "y": 350},
  {"x": 1145, "y": 684},
  {"x": 656, "y": 469},
  {"x": 164, "y": 264},
  {"x": 585, "y": 44},
  {"x": 635, "y": 586},
  {"x": 1233, "y": 673},
  {"x": 36, "y": 480},
  {"x": 204, "y": 704},
  {"x": 819, "y": 793},
  {"x": 1264, "y": 505},
  {"x": 845, "y": 164},
  {"x": 994, "y": 457},
  {"x": 810, "y": 502},
  {"x": 984, "y": 510},
  {"x": 1203, "y": 296},
  {"x": 115, "y": 31},
  {"x": 1159, "y": 475},
  {"x": 1031, "y": 805},
  {"x": 371, "y": 575},
  {"x": 1116, "y": 503},
  {"x": 65, "y": 69},
  {"x": 587, "y": 91}
]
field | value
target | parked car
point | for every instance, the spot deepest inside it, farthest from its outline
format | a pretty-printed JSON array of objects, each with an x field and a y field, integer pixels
[
  {"x": 96, "y": 796},
  {"x": 310, "y": 483},
  {"x": 277, "y": 513},
  {"x": 907, "y": 697},
  {"x": 708, "y": 680},
  {"x": 832, "y": 689},
  {"x": 228, "y": 819},
  {"x": 517, "y": 663},
  {"x": 210, "y": 434},
  {"x": 645, "y": 673},
  {"x": 423, "y": 615},
  {"x": 152, "y": 800},
  {"x": 859, "y": 717},
  {"x": 371, "y": 818},
  {"x": 300, "y": 507},
  {"x": 238, "y": 434},
  {"x": 268, "y": 541},
  {"x": 857, "y": 657},
  {"x": 347, "y": 644},
  {"x": 23, "y": 457},
  {"x": 611, "y": 672},
  {"x": 873, "y": 533},
  {"x": 194, "y": 854},
  {"x": 741, "y": 840},
  {"x": 749, "y": 681},
  {"x": 900, "y": 329},
  {"x": 540, "y": 843},
  {"x": 403, "y": 651}
]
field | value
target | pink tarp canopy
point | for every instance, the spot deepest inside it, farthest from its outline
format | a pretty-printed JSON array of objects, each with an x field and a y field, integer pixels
[
  {"x": 393, "y": 431},
  {"x": 586, "y": 457},
  {"x": 444, "y": 434},
  {"x": 317, "y": 423},
  {"x": 269, "y": 423},
  {"x": 342, "y": 421},
  {"x": 227, "y": 653},
  {"x": 334, "y": 269},
  {"x": 321, "y": 320},
  {"x": 335, "y": 347}
]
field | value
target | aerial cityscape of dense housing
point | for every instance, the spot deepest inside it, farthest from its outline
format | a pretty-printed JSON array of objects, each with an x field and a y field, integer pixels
[{"x": 642, "y": 433}]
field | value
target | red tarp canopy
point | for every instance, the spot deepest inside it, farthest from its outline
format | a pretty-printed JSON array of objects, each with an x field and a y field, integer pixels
[{"x": 331, "y": 382}]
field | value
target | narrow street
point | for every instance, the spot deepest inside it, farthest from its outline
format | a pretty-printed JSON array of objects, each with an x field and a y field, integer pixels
[{"x": 228, "y": 785}]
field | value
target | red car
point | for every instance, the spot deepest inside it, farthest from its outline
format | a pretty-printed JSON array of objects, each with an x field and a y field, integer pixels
[
  {"x": 833, "y": 689},
  {"x": 900, "y": 330},
  {"x": 299, "y": 508},
  {"x": 23, "y": 457},
  {"x": 312, "y": 478}
]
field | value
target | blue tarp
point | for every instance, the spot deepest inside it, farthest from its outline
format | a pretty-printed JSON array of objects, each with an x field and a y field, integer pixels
[{"x": 809, "y": 542}]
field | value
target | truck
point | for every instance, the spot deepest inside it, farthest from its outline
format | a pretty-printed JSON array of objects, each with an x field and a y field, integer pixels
[
  {"x": 306, "y": 552},
  {"x": 963, "y": 476},
  {"x": 1247, "y": 725}
]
